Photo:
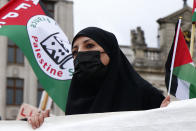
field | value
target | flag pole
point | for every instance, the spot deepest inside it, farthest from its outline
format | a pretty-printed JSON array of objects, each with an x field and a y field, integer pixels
[
  {"x": 192, "y": 39},
  {"x": 44, "y": 102},
  {"x": 174, "y": 53}
]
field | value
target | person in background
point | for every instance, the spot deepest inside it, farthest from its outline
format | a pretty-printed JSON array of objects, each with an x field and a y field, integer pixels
[{"x": 104, "y": 80}]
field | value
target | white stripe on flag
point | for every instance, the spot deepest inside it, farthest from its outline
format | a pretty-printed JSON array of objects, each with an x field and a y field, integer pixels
[
  {"x": 195, "y": 10},
  {"x": 182, "y": 91}
]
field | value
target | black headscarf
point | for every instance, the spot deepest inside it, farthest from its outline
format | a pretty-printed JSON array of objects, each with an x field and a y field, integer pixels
[{"x": 122, "y": 89}]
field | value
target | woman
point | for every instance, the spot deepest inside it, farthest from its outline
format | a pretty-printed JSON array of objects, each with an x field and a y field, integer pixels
[{"x": 104, "y": 80}]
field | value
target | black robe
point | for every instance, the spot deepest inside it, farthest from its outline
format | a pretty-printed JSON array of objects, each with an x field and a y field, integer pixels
[{"x": 122, "y": 88}]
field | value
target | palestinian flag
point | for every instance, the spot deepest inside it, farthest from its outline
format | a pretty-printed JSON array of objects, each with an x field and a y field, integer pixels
[
  {"x": 183, "y": 84},
  {"x": 43, "y": 43},
  {"x": 194, "y": 11}
]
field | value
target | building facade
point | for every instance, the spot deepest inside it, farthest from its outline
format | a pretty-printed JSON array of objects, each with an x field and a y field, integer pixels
[{"x": 18, "y": 82}]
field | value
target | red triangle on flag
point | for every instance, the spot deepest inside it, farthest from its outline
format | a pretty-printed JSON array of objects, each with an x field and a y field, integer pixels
[
  {"x": 182, "y": 52},
  {"x": 194, "y": 6}
]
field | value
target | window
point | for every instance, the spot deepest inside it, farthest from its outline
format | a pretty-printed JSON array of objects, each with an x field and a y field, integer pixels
[
  {"x": 39, "y": 93},
  {"x": 49, "y": 5},
  {"x": 14, "y": 91},
  {"x": 15, "y": 55}
]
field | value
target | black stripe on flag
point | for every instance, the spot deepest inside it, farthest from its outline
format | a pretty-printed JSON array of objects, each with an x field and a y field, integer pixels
[{"x": 174, "y": 83}]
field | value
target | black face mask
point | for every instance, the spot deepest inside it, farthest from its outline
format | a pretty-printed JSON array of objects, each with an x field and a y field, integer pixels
[{"x": 88, "y": 66}]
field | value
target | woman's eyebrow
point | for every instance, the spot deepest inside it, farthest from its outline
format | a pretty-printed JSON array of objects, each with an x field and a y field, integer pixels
[{"x": 85, "y": 41}]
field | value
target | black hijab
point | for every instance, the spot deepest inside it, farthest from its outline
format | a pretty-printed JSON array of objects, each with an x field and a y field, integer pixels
[{"x": 122, "y": 89}]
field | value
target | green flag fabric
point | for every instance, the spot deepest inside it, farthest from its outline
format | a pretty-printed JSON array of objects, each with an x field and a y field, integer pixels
[
  {"x": 43, "y": 43},
  {"x": 194, "y": 11}
]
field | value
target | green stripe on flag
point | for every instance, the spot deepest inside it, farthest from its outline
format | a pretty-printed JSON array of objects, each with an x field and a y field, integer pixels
[
  {"x": 186, "y": 72},
  {"x": 194, "y": 17},
  {"x": 192, "y": 91}
]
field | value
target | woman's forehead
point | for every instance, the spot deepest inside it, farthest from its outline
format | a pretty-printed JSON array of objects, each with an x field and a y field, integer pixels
[{"x": 82, "y": 40}]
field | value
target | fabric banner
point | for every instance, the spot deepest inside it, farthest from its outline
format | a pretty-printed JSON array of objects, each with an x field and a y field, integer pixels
[{"x": 179, "y": 115}]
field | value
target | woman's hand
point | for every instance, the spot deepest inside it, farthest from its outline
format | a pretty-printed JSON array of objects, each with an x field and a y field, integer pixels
[
  {"x": 37, "y": 120},
  {"x": 165, "y": 102}
]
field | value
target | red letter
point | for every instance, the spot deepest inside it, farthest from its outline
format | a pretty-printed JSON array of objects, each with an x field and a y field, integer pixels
[
  {"x": 31, "y": 113},
  {"x": 54, "y": 71},
  {"x": 45, "y": 64},
  {"x": 22, "y": 113},
  {"x": 35, "y": 38},
  {"x": 48, "y": 67},
  {"x": 41, "y": 61},
  {"x": 35, "y": 45},
  {"x": 37, "y": 50},
  {"x": 59, "y": 73},
  {"x": 39, "y": 55}
]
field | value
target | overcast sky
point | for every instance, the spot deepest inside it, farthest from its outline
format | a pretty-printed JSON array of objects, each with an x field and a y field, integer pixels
[{"x": 120, "y": 16}]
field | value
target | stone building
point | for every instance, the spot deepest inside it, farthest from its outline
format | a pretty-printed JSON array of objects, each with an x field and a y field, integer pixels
[
  {"x": 18, "y": 82},
  {"x": 150, "y": 62}
]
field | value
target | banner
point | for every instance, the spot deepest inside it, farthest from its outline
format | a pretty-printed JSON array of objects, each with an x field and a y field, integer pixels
[{"x": 178, "y": 116}]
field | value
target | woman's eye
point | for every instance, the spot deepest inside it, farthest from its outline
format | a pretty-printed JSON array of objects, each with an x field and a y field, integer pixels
[
  {"x": 90, "y": 45},
  {"x": 74, "y": 53}
]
